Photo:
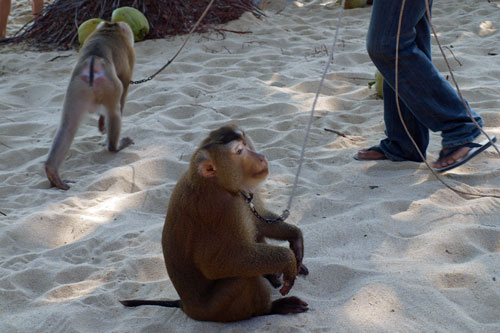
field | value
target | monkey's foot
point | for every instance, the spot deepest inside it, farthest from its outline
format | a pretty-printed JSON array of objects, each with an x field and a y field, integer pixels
[
  {"x": 289, "y": 305},
  {"x": 303, "y": 270},
  {"x": 124, "y": 143},
  {"x": 274, "y": 279},
  {"x": 54, "y": 179}
]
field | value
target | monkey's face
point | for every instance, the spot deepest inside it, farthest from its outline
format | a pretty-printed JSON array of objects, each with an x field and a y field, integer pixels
[
  {"x": 251, "y": 165},
  {"x": 227, "y": 157},
  {"x": 233, "y": 165}
]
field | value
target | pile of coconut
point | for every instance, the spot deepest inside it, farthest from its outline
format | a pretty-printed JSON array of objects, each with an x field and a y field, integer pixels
[{"x": 56, "y": 27}]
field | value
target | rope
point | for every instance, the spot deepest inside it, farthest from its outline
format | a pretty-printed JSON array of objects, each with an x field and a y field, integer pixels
[
  {"x": 308, "y": 130},
  {"x": 396, "y": 83},
  {"x": 149, "y": 78},
  {"x": 453, "y": 79}
]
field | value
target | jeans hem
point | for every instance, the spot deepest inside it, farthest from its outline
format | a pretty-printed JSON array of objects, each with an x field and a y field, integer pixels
[
  {"x": 390, "y": 156},
  {"x": 450, "y": 144}
]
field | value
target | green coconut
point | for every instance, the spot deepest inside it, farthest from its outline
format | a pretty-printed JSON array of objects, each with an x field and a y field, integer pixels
[
  {"x": 379, "y": 84},
  {"x": 86, "y": 28},
  {"x": 350, "y": 4},
  {"x": 134, "y": 18}
]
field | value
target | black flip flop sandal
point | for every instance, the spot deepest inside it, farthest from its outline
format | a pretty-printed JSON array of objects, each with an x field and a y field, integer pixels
[{"x": 476, "y": 149}]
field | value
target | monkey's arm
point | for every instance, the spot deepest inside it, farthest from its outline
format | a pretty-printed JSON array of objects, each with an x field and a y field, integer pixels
[
  {"x": 282, "y": 231},
  {"x": 249, "y": 260},
  {"x": 71, "y": 117}
]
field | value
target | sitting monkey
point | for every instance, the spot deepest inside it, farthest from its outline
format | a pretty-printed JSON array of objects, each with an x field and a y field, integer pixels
[{"x": 214, "y": 246}]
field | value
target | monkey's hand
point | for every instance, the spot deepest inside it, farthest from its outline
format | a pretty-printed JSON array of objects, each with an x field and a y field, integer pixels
[
  {"x": 288, "y": 278},
  {"x": 274, "y": 279},
  {"x": 54, "y": 179},
  {"x": 298, "y": 249}
]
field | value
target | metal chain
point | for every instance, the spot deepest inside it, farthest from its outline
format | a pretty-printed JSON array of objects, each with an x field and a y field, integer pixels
[{"x": 280, "y": 218}]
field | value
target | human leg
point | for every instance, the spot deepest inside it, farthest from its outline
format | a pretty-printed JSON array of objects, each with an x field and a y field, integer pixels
[
  {"x": 5, "y": 6},
  {"x": 4, "y": 16},
  {"x": 398, "y": 146},
  {"x": 427, "y": 100},
  {"x": 36, "y": 7}
]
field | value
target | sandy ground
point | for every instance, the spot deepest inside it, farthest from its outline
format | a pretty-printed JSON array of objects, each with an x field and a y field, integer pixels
[{"x": 388, "y": 247}]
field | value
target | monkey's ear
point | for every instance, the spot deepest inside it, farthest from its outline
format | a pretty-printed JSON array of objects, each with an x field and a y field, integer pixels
[
  {"x": 206, "y": 167},
  {"x": 100, "y": 25},
  {"x": 127, "y": 30}
]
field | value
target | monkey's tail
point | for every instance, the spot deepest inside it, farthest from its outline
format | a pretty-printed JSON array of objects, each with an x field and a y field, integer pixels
[
  {"x": 91, "y": 71},
  {"x": 166, "y": 303}
]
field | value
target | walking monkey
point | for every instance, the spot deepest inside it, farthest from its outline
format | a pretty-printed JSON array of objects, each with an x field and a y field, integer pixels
[
  {"x": 213, "y": 245},
  {"x": 100, "y": 78}
]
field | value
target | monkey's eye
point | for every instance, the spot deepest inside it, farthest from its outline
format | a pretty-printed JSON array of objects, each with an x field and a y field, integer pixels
[{"x": 239, "y": 150}]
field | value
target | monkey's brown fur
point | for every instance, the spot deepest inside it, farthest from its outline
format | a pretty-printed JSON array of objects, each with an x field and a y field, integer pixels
[
  {"x": 100, "y": 78},
  {"x": 214, "y": 246}
]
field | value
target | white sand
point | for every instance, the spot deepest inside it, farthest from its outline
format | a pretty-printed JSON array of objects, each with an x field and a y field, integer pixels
[{"x": 388, "y": 247}]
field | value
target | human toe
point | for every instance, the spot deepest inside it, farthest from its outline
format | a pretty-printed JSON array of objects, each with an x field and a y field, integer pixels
[{"x": 446, "y": 158}]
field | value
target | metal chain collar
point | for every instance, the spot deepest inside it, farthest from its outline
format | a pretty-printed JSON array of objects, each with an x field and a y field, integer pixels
[{"x": 251, "y": 205}]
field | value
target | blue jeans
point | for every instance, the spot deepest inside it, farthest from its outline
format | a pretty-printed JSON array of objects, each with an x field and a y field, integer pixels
[{"x": 427, "y": 100}]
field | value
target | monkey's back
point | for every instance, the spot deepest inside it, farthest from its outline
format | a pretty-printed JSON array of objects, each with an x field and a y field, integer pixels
[{"x": 107, "y": 43}]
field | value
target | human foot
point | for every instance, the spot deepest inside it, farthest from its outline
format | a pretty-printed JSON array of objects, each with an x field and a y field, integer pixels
[
  {"x": 370, "y": 154},
  {"x": 448, "y": 157},
  {"x": 453, "y": 157}
]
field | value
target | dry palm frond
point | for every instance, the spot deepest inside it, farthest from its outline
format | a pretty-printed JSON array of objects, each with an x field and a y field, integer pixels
[{"x": 57, "y": 25}]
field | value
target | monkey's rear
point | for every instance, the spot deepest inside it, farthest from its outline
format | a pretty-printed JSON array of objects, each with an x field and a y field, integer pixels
[{"x": 100, "y": 78}]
